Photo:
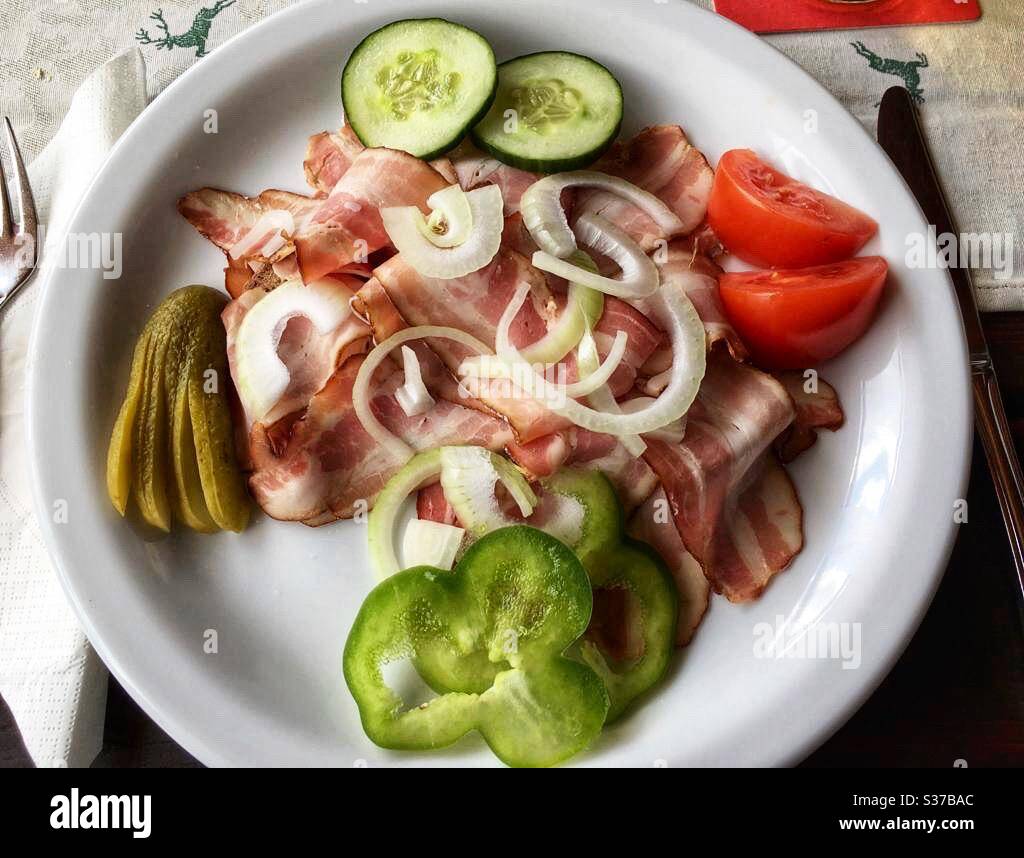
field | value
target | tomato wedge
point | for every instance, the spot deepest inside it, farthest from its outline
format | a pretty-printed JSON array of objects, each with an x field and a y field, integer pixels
[
  {"x": 768, "y": 219},
  {"x": 796, "y": 319}
]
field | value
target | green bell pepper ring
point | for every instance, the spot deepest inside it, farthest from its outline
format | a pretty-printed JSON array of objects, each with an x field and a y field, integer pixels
[
  {"x": 490, "y": 638},
  {"x": 631, "y": 578}
]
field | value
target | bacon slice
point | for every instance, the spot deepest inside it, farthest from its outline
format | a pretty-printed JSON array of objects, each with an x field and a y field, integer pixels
[
  {"x": 644, "y": 339},
  {"x": 475, "y": 169},
  {"x": 432, "y": 505},
  {"x": 632, "y": 477},
  {"x": 683, "y": 267},
  {"x": 473, "y": 304},
  {"x": 653, "y": 524},
  {"x": 311, "y": 357},
  {"x": 817, "y": 407},
  {"x": 329, "y": 154},
  {"x": 735, "y": 508},
  {"x": 644, "y": 336},
  {"x": 347, "y": 227},
  {"x": 328, "y": 463},
  {"x": 225, "y": 218},
  {"x": 661, "y": 160}
]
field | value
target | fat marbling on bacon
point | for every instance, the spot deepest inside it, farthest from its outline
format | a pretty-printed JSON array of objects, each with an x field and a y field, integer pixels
[
  {"x": 310, "y": 356},
  {"x": 734, "y": 506},
  {"x": 660, "y": 160},
  {"x": 328, "y": 463}
]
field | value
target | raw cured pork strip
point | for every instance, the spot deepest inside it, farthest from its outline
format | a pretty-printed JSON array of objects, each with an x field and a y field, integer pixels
[
  {"x": 329, "y": 154},
  {"x": 662, "y": 161},
  {"x": 644, "y": 339},
  {"x": 328, "y": 157},
  {"x": 432, "y": 505},
  {"x": 644, "y": 336},
  {"x": 817, "y": 407},
  {"x": 311, "y": 357},
  {"x": 473, "y": 304},
  {"x": 474, "y": 169},
  {"x": 653, "y": 524},
  {"x": 632, "y": 477},
  {"x": 226, "y": 218},
  {"x": 327, "y": 462},
  {"x": 734, "y": 506},
  {"x": 683, "y": 267},
  {"x": 347, "y": 226}
]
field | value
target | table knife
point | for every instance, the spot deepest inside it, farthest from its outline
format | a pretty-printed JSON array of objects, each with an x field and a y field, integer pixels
[{"x": 901, "y": 135}]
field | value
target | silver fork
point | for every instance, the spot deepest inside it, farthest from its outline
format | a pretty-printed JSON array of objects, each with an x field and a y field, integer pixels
[{"x": 18, "y": 254}]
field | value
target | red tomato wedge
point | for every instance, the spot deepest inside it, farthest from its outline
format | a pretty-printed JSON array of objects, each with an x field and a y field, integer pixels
[
  {"x": 766, "y": 218},
  {"x": 796, "y": 319}
]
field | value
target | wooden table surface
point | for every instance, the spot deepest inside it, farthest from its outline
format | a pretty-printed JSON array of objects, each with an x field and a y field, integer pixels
[{"x": 956, "y": 694}]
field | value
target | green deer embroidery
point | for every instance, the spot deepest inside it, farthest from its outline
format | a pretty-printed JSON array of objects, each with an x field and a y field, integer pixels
[
  {"x": 196, "y": 35},
  {"x": 908, "y": 70}
]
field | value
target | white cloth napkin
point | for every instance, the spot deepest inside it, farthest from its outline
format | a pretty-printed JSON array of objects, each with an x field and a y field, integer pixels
[{"x": 50, "y": 677}]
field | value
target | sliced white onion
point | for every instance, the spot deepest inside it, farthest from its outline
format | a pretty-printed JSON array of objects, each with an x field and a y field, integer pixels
[
  {"x": 380, "y": 531},
  {"x": 603, "y": 400},
  {"x": 260, "y": 375},
  {"x": 361, "y": 387},
  {"x": 638, "y": 277},
  {"x": 431, "y": 543},
  {"x": 405, "y": 227},
  {"x": 469, "y": 476},
  {"x": 451, "y": 218},
  {"x": 583, "y": 308},
  {"x": 510, "y": 363},
  {"x": 544, "y": 217},
  {"x": 523, "y": 375},
  {"x": 413, "y": 396},
  {"x": 671, "y": 433},
  {"x": 278, "y": 221},
  {"x": 673, "y": 311}
]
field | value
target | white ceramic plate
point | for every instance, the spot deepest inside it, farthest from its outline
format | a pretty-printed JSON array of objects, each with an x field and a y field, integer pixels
[{"x": 878, "y": 495}]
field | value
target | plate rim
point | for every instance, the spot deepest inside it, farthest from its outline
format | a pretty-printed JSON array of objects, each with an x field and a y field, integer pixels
[{"x": 178, "y": 729}]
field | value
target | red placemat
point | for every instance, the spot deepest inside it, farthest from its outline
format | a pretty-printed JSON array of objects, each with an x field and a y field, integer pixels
[{"x": 778, "y": 16}]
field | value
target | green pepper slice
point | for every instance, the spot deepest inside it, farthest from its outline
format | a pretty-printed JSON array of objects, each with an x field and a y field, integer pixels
[
  {"x": 490, "y": 637},
  {"x": 632, "y": 591}
]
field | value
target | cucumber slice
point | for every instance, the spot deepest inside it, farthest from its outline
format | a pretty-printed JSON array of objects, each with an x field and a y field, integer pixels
[
  {"x": 554, "y": 111},
  {"x": 418, "y": 85}
]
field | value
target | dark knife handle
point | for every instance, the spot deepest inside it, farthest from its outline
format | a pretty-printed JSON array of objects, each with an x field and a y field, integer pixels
[{"x": 994, "y": 430}]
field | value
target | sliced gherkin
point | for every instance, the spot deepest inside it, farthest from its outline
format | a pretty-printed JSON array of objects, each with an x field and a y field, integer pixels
[
  {"x": 172, "y": 447},
  {"x": 189, "y": 502},
  {"x": 223, "y": 486},
  {"x": 119, "y": 454},
  {"x": 149, "y": 459}
]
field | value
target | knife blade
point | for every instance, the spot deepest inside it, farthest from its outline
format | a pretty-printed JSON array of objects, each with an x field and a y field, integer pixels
[{"x": 901, "y": 135}]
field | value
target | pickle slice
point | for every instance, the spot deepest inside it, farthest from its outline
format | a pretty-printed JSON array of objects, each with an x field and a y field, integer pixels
[
  {"x": 223, "y": 486},
  {"x": 149, "y": 479},
  {"x": 189, "y": 502},
  {"x": 119, "y": 454}
]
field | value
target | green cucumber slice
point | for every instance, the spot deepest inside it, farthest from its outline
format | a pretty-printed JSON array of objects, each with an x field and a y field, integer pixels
[
  {"x": 554, "y": 111},
  {"x": 418, "y": 85}
]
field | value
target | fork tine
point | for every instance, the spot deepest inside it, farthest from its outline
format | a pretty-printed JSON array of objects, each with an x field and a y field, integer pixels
[
  {"x": 27, "y": 222},
  {"x": 6, "y": 227}
]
